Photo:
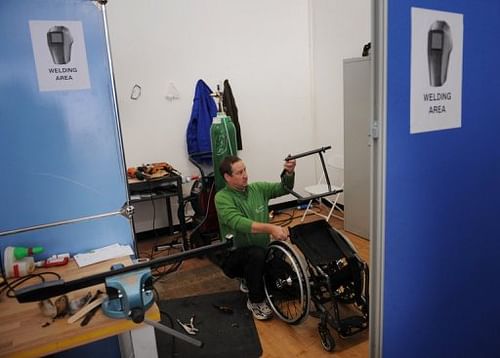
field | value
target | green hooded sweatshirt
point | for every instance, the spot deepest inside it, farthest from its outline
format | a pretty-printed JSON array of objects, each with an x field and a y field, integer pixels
[{"x": 238, "y": 209}]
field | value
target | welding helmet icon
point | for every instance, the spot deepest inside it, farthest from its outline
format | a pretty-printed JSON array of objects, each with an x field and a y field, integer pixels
[
  {"x": 439, "y": 46},
  {"x": 59, "y": 40}
]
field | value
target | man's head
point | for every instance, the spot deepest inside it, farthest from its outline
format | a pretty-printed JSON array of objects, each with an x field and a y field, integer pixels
[{"x": 234, "y": 172}]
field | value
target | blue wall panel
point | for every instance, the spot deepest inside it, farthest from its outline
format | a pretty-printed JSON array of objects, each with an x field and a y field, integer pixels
[
  {"x": 61, "y": 151},
  {"x": 442, "y": 247}
]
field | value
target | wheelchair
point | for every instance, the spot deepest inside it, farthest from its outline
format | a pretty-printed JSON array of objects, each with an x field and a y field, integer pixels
[
  {"x": 325, "y": 270},
  {"x": 319, "y": 265}
]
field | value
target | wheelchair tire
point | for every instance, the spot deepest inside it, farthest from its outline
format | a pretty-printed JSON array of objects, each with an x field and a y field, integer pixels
[
  {"x": 286, "y": 283},
  {"x": 327, "y": 340}
]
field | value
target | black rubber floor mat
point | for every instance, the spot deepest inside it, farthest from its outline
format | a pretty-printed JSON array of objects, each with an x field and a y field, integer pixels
[{"x": 223, "y": 334}]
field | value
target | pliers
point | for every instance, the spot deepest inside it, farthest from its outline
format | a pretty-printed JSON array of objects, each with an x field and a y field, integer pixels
[
  {"x": 223, "y": 309},
  {"x": 189, "y": 327}
]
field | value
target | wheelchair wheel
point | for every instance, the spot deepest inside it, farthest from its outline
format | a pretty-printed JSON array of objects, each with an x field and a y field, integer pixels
[
  {"x": 327, "y": 340},
  {"x": 286, "y": 283}
]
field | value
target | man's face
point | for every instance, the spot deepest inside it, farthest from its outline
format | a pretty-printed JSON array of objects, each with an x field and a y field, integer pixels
[{"x": 239, "y": 178}]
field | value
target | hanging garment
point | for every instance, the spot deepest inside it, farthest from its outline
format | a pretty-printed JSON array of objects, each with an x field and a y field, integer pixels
[
  {"x": 204, "y": 110},
  {"x": 232, "y": 111}
]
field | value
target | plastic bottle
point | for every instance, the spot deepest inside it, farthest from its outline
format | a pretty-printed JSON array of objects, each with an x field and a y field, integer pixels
[{"x": 18, "y": 261}]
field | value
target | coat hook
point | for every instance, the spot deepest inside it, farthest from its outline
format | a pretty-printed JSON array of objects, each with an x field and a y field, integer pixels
[{"x": 136, "y": 92}]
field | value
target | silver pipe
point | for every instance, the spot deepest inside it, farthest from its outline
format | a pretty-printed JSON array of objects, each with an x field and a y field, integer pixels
[
  {"x": 174, "y": 333},
  {"x": 117, "y": 116},
  {"x": 114, "y": 96},
  {"x": 59, "y": 223},
  {"x": 378, "y": 169}
]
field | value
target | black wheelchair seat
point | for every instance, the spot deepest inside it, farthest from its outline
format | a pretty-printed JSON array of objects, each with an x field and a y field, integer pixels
[{"x": 320, "y": 243}]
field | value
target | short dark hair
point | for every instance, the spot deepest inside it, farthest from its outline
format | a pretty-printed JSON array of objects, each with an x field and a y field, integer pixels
[{"x": 226, "y": 166}]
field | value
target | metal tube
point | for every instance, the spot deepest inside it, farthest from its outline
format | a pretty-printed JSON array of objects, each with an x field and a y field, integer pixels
[
  {"x": 48, "y": 289},
  {"x": 305, "y": 154},
  {"x": 301, "y": 199},
  {"x": 59, "y": 223},
  {"x": 174, "y": 333}
]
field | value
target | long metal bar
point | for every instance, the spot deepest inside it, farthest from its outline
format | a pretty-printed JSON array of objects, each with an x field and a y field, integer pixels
[
  {"x": 48, "y": 289},
  {"x": 320, "y": 152},
  {"x": 378, "y": 169},
  {"x": 305, "y": 154},
  {"x": 174, "y": 333},
  {"x": 59, "y": 223},
  {"x": 114, "y": 97},
  {"x": 301, "y": 199},
  {"x": 325, "y": 171}
]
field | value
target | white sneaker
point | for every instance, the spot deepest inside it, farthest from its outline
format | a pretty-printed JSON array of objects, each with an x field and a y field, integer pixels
[
  {"x": 243, "y": 286},
  {"x": 260, "y": 311}
]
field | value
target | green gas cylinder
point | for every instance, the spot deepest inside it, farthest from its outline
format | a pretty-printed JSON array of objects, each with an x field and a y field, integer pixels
[{"x": 223, "y": 141}]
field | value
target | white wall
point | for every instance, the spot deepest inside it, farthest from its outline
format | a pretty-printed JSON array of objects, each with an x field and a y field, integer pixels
[
  {"x": 340, "y": 29},
  {"x": 288, "y": 93}
]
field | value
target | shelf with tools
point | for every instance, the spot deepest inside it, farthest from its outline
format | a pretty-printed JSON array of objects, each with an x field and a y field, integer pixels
[{"x": 165, "y": 187}]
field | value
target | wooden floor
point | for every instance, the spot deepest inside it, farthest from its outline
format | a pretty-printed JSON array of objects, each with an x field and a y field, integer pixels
[{"x": 278, "y": 339}]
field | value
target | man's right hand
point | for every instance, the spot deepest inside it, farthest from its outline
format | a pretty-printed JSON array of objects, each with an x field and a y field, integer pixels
[{"x": 279, "y": 232}]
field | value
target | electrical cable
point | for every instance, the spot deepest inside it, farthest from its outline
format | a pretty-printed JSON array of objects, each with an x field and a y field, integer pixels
[
  {"x": 174, "y": 267},
  {"x": 153, "y": 252},
  {"x": 172, "y": 242},
  {"x": 158, "y": 273},
  {"x": 283, "y": 222},
  {"x": 9, "y": 287},
  {"x": 170, "y": 325},
  {"x": 206, "y": 211},
  {"x": 153, "y": 205},
  {"x": 289, "y": 219},
  {"x": 165, "y": 270},
  {"x": 156, "y": 297}
]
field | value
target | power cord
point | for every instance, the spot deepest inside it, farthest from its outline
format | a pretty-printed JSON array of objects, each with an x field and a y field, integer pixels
[
  {"x": 205, "y": 217},
  {"x": 282, "y": 222},
  {"x": 170, "y": 325},
  {"x": 288, "y": 220},
  {"x": 153, "y": 205},
  {"x": 10, "y": 286}
]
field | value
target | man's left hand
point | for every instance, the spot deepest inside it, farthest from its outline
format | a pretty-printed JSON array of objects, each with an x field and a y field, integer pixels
[{"x": 290, "y": 166}]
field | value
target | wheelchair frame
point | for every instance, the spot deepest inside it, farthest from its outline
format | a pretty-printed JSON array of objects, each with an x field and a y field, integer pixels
[
  {"x": 331, "y": 275},
  {"x": 293, "y": 280}
]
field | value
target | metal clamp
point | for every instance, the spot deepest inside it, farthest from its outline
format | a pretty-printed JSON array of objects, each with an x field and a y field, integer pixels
[{"x": 189, "y": 327}]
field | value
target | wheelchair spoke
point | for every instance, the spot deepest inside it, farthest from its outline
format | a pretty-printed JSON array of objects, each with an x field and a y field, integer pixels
[{"x": 286, "y": 284}]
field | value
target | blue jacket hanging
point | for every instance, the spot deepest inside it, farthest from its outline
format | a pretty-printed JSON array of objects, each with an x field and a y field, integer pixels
[{"x": 202, "y": 114}]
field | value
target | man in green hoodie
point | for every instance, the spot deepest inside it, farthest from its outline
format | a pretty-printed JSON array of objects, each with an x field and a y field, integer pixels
[{"x": 243, "y": 211}]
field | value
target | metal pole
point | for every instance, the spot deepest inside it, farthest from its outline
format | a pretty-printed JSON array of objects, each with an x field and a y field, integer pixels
[{"x": 174, "y": 333}]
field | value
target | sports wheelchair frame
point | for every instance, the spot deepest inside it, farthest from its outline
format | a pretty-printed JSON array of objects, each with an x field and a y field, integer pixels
[{"x": 320, "y": 266}]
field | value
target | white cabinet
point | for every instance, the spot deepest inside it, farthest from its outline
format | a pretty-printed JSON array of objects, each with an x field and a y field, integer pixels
[{"x": 357, "y": 107}]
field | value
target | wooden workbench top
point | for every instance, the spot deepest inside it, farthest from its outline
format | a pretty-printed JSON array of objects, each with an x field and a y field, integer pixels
[{"x": 25, "y": 332}]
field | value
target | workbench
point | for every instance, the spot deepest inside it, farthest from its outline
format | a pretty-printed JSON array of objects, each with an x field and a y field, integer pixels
[{"x": 25, "y": 332}]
